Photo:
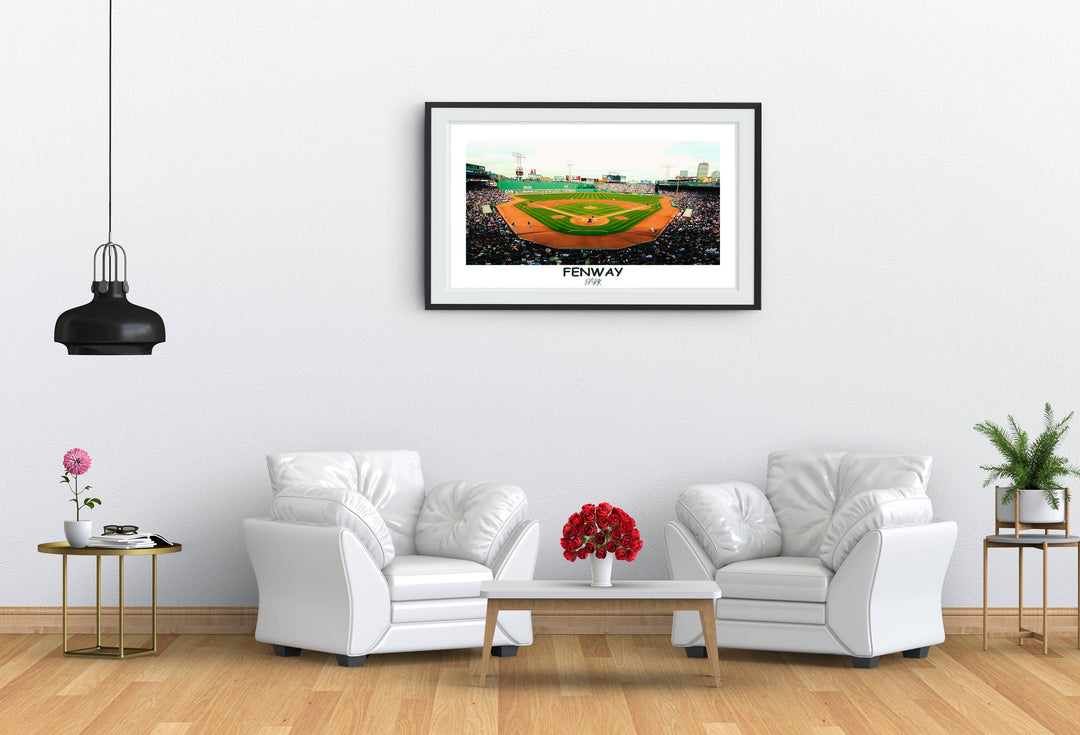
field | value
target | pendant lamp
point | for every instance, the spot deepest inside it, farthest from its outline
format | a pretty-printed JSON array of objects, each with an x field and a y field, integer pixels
[{"x": 109, "y": 324}]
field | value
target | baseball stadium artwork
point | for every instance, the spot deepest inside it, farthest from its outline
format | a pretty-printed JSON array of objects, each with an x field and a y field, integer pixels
[{"x": 579, "y": 205}]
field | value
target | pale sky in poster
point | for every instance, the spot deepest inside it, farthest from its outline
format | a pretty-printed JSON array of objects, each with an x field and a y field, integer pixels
[{"x": 636, "y": 160}]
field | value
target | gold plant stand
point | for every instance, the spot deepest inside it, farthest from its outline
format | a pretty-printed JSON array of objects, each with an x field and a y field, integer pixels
[
  {"x": 1019, "y": 541},
  {"x": 118, "y": 651}
]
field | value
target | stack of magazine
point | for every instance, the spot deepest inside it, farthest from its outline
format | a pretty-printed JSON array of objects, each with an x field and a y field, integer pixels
[{"x": 128, "y": 541}]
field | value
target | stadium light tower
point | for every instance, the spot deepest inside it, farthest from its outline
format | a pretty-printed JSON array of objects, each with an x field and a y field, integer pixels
[
  {"x": 519, "y": 157},
  {"x": 667, "y": 171}
]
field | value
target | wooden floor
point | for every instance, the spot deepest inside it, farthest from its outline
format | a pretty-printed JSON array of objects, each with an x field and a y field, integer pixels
[{"x": 561, "y": 684}]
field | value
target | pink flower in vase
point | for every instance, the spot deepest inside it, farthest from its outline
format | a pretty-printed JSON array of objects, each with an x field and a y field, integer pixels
[{"x": 76, "y": 461}]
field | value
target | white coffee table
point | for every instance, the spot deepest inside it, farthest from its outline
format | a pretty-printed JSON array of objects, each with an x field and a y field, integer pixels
[{"x": 631, "y": 597}]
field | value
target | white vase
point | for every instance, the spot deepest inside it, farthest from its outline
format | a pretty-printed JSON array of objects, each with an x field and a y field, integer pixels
[
  {"x": 1033, "y": 507},
  {"x": 601, "y": 570},
  {"x": 77, "y": 533}
]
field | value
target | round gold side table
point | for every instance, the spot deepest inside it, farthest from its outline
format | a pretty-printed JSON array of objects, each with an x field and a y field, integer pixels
[{"x": 119, "y": 650}]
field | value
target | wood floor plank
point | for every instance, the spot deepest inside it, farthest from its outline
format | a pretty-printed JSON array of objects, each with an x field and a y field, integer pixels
[
  {"x": 164, "y": 667},
  {"x": 1041, "y": 703},
  {"x": 414, "y": 715},
  {"x": 594, "y": 646},
  {"x": 462, "y": 708},
  {"x": 129, "y": 710},
  {"x": 884, "y": 693},
  {"x": 348, "y": 714},
  {"x": 528, "y": 683},
  {"x": 317, "y": 710},
  {"x": 43, "y": 681},
  {"x": 25, "y": 657},
  {"x": 626, "y": 652},
  {"x": 979, "y": 703},
  {"x": 847, "y": 716},
  {"x": 170, "y": 728},
  {"x": 721, "y": 728},
  {"x": 570, "y": 664}
]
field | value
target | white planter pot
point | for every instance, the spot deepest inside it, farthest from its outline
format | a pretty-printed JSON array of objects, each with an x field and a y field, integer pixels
[
  {"x": 601, "y": 570},
  {"x": 77, "y": 533},
  {"x": 1033, "y": 507}
]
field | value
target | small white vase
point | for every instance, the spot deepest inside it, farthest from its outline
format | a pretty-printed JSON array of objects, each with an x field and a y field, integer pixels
[
  {"x": 1033, "y": 507},
  {"x": 601, "y": 570},
  {"x": 77, "y": 533}
]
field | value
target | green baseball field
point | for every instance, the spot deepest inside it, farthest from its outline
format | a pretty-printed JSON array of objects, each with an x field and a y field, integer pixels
[
  {"x": 602, "y": 220},
  {"x": 588, "y": 213}
]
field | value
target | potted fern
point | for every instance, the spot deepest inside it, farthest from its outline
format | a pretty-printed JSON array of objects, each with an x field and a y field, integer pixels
[{"x": 1032, "y": 470}]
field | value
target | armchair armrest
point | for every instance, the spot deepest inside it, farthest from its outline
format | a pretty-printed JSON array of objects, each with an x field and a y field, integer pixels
[
  {"x": 886, "y": 596},
  {"x": 686, "y": 560},
  {"x": 319, "y": 588},
  {"x": 517, "y": 558},
  {"x": 685, "y": 557}
]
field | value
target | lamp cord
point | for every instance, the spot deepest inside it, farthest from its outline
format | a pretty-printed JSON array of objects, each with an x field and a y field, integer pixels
[{"x": 110, "y": 121}]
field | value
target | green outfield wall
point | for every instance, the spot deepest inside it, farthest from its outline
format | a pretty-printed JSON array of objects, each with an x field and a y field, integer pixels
[{"x": 515, "y": 185}]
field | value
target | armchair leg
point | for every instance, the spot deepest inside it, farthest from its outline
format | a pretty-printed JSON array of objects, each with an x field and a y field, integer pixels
[
  {"x": 696, "y": 652},
  {"x": 865, "y": 663},
  {"x": 917, "y": 652},
  {"x": 504, "y": 651},
  {"x": 350, "y": 661},
  {"x": 285, "y": 650}
]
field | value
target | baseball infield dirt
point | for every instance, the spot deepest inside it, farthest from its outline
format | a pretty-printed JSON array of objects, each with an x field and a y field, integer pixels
[{"x": 645, "y": 231}]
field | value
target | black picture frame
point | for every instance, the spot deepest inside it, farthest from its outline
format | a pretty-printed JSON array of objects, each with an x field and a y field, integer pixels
[{"x": 448, "y": 248}]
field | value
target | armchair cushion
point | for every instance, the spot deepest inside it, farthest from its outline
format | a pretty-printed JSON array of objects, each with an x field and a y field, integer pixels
[
  {"x": 469, "y": 520},
  {"x": 801, "y": 487},
  {"x": 867, "y": 511},
  {"x": 732, "y": 521},
  {"x": 336, "y": 506},
  {"x": 311, "y": 469},
  {"x": 394, "y": 483},
  {"x": 434, "y": 578},
  {"x": 390, "y": 479},
  {"x": 860, "y": 472},
  {"x": 790, "y": 578}
]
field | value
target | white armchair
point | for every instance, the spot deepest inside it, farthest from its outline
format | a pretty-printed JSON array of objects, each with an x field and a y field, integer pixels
[
  {"x": 359, "y": 558},
  {"x": 838, "y": 555}
]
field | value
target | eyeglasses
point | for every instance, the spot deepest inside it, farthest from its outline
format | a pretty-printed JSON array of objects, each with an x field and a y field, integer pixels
[{"x": 121, "y": 530}]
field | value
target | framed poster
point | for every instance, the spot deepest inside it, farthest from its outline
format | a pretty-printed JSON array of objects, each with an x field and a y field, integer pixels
[{"x": 550, "y": 205}]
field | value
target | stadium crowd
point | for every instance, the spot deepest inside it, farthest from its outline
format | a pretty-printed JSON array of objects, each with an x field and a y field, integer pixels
[
  {"x": 695, "y": 238},
  {"x": 685, "y": 241},
  {"x": 486, "y": 235},
  {"x": 628, "y": 188}
]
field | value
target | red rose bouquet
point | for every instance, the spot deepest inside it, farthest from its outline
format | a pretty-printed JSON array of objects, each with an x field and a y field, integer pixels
[{"x": 601, "y": 530}]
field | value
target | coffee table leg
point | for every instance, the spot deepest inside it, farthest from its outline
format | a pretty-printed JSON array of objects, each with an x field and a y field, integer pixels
[
  {"x": 708, "y": 628},
  {"x": 489, "y": 639}
]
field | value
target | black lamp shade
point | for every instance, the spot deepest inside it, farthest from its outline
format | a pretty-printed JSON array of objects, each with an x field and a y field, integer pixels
[{"x": 109, "y": 324}]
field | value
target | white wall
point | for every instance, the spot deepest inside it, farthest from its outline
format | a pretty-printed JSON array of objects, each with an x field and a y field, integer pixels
[{"x": 920, "y": 220}]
